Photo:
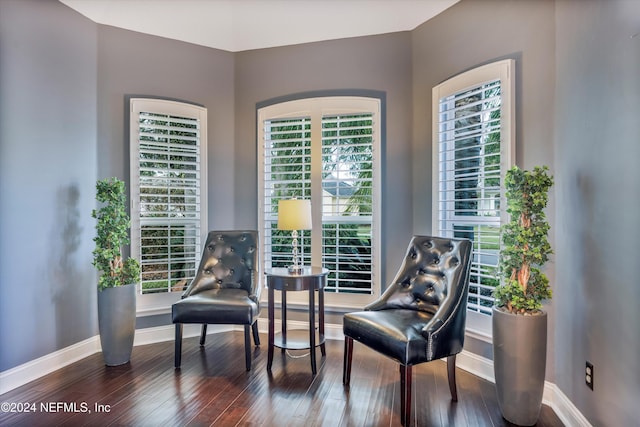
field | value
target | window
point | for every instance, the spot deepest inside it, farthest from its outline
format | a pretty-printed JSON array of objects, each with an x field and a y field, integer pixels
[
  {"x": 168, "y": 191},
  {"x": 473, "y": 134},
  {"x": 325, "y": 150}
]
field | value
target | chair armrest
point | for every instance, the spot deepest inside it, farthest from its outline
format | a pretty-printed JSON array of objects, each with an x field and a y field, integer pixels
[
  {"x": 376, "y": 305},
  {"x": 256, "y": 285},
  {"x": 445, "y": 331},
  {"x": 189, "y": 289},
  {"x": 433, "y": 327}
]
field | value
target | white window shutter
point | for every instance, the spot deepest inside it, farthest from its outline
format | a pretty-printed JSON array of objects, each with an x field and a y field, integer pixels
[
  {"x": 168, "y": 196},
  {"x": 287, "y": 174},
  {"x": 473, "y": 148},
  {"x": 347, "y": 200},
  {"x": 324, "y": 150}
]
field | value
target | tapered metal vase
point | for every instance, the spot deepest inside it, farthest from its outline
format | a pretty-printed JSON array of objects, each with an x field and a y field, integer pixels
[
  {"x": 519, "y": 363},
  {"x": 117, "y": 323}
]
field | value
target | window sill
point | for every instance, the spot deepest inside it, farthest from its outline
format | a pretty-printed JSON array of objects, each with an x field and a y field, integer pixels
[
  {"x": 479, "y": 326},
  {"x": 155, "y": 304}
]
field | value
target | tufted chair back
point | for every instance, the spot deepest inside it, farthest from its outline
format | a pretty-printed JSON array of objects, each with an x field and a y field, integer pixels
[
  {"x": 225, "y": 291},
  {"x": 421, "y": 316},
  {"x": 429, "y": 276},
  {"x": 229, "y": 260}
]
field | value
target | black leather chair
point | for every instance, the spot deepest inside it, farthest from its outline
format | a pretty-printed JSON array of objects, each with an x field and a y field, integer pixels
[
  {"x": 421, "y": 316},
  {"x": 225, "y": 290}
]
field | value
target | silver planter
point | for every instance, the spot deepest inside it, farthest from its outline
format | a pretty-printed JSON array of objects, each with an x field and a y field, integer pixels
[
  {"x": 117, "y": 323},
  {"x": 519, "y": 363}
]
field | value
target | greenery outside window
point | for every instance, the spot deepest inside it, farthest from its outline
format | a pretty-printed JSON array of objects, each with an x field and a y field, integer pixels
[
  {"x": 325, "y": 150},
  {"x": 168, "y": 191},
  {"x": 473, "y": 140}
]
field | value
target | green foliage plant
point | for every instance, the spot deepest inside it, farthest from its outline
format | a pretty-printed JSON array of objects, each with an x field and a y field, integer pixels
[
  {"x": 112, "y": 233},
  {"x": 525, "y": 245}
]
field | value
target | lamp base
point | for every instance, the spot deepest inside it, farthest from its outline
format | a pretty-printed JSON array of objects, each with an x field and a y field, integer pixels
[{"x": 295, "y": 269}]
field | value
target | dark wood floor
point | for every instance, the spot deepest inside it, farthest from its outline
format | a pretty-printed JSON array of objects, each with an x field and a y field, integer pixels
[{"x": 213, "y": 388}]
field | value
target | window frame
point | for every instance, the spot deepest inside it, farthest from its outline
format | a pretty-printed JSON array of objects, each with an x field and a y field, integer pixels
[
  {"x": 316, "y": 107},
  {"x": 159, "y": 303},
  {"x": 478, "y": 324}
]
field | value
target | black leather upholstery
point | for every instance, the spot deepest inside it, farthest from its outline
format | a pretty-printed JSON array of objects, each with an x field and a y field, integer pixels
[
  {"x": 421, "y": 316},
  {"x": 225, "y": 289},
  {"x": 217, "y": 306}
]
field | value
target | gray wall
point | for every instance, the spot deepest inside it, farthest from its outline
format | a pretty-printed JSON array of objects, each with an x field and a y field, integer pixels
[
  {"x": 452, "y": 43},
  {"x": 63, "y": 81},
  {"x": 381, "y": 63},
  {"x": 47, "y": 177},
  {"x": 578, "y": 103},
  {"x": 135, "y": 64},
  {"x": 597, "y": 147}
]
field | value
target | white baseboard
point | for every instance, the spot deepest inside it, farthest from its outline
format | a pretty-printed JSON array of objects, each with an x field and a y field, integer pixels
[
  {"x": 331, "y": 331},
  {"x": 167, "y": 333},
  {"x": 563, "y": 407},
  {"x": 551, "y": 395},
  {"x": 470, "y": 362},
  {"x": 476, "y": 365},
  {"x": 34, "y": 369}
]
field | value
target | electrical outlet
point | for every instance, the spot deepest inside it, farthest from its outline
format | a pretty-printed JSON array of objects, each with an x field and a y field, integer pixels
[{"x": 588, "y": 375}]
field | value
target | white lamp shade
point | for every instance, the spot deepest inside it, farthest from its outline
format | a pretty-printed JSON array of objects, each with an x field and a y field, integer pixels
[{"x": 294, "y": 214}]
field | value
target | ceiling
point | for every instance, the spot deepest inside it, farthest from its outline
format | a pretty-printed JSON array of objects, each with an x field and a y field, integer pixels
[{"x": 237, "y": 25}]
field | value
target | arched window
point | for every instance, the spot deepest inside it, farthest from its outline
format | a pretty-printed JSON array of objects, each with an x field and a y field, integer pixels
[
  {"x": 324, "y": 149},
  {"x": 168, "y": 143},
  {"x": 473, "y": 147}
]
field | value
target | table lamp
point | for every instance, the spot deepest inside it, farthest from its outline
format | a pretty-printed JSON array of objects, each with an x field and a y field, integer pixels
[{"x": 294, "y": 215}]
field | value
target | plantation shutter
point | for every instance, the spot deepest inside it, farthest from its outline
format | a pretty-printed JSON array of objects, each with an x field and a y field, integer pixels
[
  {"x": 329, "y": 159},
  {"x": 472, "y": 157},
  {"x": 287, "y": 174},
  {"x": 168, "y": 198},
  {"x": 347, "y": 202}
]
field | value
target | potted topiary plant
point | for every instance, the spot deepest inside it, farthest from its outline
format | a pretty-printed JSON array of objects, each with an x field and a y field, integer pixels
[
  {"x": 118, "y": 277},
  {"x": 519, "y": 323}
]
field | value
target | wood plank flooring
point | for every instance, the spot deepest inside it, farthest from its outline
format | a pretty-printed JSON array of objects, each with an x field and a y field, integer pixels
[{"x": 213, "y": 389}]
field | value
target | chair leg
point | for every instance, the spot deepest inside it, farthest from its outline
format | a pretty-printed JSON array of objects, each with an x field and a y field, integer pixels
[
  {"x": 178, "y": 345},
  {"x": 451, "y": 373},
  {"x": 247, "y": 346},
  {"x": 203, "y": 334},
  {"x": 256, "y": 337},
  {"x": 348, "y": 355},
  {"x": 405, "y": 395}
]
